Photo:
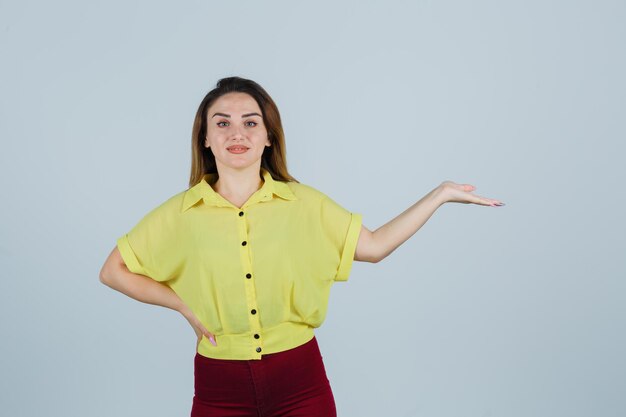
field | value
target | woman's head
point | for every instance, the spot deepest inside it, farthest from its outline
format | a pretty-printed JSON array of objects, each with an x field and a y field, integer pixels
[{"x": 219, "y": 124}]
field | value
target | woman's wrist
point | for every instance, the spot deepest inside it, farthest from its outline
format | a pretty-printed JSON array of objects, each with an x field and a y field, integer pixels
[{"x": 438, "y": 195}]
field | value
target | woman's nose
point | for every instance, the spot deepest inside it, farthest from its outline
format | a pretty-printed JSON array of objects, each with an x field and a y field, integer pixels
[{"x": 237, "y": 132}]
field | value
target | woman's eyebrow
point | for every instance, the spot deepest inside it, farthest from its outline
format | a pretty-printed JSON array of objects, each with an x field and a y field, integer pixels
[{"x": 243, "y": 115}]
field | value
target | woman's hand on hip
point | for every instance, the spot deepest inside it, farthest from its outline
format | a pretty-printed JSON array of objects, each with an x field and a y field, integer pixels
[{"x": 197, "y": 326}]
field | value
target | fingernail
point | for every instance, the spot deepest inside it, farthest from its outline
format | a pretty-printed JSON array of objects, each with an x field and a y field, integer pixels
[{"x": 212, "y": 341}]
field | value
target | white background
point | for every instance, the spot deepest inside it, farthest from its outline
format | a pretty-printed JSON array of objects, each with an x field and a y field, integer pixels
[{"x": 485, "y": 311}]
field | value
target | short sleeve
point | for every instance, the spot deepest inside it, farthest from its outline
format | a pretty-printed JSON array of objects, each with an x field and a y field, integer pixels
[
  {"x": 150, "y": 248},
  {"x": 341, "y": 229}
]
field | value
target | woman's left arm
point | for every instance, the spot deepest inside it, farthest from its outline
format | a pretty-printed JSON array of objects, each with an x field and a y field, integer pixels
[{"x": 377, "y": 245}]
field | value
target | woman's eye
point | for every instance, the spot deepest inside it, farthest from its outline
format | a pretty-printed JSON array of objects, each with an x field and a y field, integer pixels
[
  {"x": 250, "y": 121},
  {"x": 218, "y": 123}
]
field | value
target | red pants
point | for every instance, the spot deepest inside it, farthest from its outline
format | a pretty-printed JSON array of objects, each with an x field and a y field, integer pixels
[{"x": 291, "y": 383}]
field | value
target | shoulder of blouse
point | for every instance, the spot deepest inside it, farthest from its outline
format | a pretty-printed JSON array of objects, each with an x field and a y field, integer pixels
[{"x": 305, "y": 192}]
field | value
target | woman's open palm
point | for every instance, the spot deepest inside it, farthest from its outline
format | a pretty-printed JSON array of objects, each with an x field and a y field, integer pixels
[{"x": 452, "y": 192}]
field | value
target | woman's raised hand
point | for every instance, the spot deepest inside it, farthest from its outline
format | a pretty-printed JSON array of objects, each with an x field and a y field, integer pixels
[
  {"x": 197, "y": 326},
  {"x": 451, "y": 192}
]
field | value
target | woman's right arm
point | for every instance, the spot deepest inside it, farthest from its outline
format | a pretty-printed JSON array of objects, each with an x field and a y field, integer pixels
[{"x": 116, "y": 275}]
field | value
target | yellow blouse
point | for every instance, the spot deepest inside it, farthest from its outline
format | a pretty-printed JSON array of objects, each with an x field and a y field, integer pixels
[{"x": 259, "y": 276}]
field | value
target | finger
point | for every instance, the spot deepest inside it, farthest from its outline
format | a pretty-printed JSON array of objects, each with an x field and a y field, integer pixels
[
  {"x": 209, "y": 336},
  {"x": 483, "y": 201},
  {"x": 204, "y": 331},
  {"x": 212, "y": 339},
  {"x": 491, "y": 202}
]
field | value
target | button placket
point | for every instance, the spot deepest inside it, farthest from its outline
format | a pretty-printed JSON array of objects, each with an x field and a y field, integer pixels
[{"x": 253, "y": 314}]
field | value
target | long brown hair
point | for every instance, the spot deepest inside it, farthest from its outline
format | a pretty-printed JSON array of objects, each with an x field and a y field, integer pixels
[{"x": 274, "y": 158}]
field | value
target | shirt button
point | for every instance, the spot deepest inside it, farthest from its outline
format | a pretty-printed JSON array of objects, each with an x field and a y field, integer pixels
[
  {"x": 253, "y": 311},
  {"x": 248, "y": 276},
  {"x": 240, "y": 213},
  {"x": 258, "y": 349},
  {"x": 256, "y": 336},
  {"x": 244, "y": 243}
]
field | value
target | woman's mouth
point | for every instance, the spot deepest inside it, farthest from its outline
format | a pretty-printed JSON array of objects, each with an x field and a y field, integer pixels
[{"x": 236, "y": 149}]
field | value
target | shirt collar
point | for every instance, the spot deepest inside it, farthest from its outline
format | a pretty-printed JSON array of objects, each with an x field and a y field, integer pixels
[{"x": 203, "y": 191}]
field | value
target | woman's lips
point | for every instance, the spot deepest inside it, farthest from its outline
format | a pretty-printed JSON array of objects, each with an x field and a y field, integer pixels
[{"x": 237, "y": 149}]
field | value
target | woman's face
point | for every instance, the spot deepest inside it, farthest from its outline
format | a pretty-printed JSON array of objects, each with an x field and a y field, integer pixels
[{"x": 235, "y": 119}]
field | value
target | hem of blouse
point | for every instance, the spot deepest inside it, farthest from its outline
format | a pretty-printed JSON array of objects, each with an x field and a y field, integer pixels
[{"x": 243, "y": 346}]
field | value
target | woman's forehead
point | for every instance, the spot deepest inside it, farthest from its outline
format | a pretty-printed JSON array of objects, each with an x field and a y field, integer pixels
[{"x": 237, "y": 103}]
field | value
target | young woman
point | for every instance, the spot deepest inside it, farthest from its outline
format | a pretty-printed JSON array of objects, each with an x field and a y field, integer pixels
[{"x": 247, "y": 254}]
